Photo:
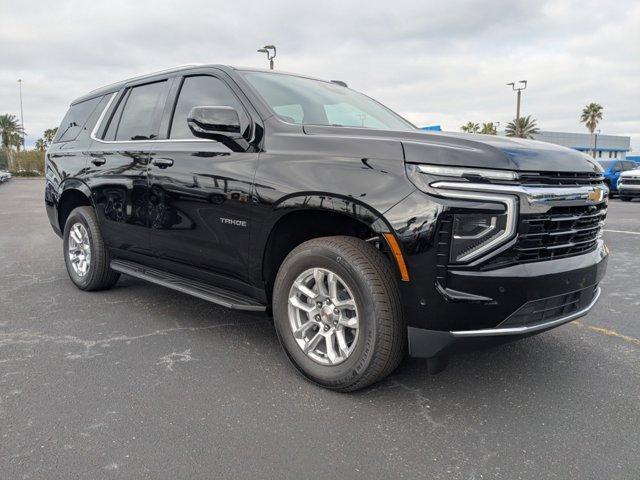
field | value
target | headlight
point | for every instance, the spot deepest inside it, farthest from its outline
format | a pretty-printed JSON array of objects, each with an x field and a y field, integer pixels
[
  {"x": 466, "y": 172},
  {"x": 484, "y": 227},
  {"x": 473, "y": 234},
  {"x": 478, "y": 235}
]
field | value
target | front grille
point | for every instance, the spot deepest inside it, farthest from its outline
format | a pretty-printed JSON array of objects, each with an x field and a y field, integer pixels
[
  {"x": 630, "y": 181},
  {"x": 560, "y": 178},
  {"x": 551, "y": 308},
  {"x": 559, "y": 232}
]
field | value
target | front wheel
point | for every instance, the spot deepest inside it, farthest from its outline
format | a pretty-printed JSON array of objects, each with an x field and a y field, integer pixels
[{"x": 338, "y": 314}]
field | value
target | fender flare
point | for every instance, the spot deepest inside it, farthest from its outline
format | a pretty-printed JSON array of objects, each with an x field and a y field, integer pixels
[
  {"x": 331, "y": 202},
  {"x": 75, "y": 184},
  {"x": 68, "y": 185}
]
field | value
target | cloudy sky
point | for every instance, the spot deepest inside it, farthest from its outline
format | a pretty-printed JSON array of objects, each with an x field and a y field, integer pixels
[{"x": 436, "y": 62}]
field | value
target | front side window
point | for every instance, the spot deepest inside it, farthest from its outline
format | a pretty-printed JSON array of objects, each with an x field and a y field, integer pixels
[
  {"x": 136, "y": 122},
  {"x": 202, "y": 91},
  {"x": 314, "y": 102}
]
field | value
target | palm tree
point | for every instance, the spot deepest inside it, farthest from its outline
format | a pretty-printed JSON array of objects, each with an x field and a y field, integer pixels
[
  {"x": 41, "y": 145},
  {"x": 470, "y": 127},
  {"x": 48, "y": 135},
  {"x": 10, "y": 134},
  {"x": 489, "y": 128},
  {"x": 9, "y": 128},
  {"x": 591, "y": 115},
  {"x": 523, "y": 127}
]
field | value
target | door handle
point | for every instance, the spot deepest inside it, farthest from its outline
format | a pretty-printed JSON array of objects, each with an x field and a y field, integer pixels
[
  {"x": 98, "y": 161},
  {"x": 162, "y": 162}
]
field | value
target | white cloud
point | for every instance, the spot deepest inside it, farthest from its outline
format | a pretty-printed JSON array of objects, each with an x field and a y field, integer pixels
[{"x": 435, "y": 62}]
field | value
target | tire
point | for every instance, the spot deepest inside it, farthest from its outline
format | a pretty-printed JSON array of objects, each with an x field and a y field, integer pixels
[
  {"x": 98, "y": 275},
  {"x": 378, "y": 345},
  {"x": 625, "y": 199}
]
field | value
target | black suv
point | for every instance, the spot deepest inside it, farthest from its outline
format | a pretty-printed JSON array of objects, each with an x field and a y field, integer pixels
[{"x": 363, "y": 235}]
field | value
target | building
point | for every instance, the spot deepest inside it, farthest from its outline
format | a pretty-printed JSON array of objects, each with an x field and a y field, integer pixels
[{"x": 605, "y": 146}]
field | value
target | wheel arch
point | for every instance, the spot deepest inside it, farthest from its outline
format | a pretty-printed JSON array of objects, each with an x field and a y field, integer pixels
[
  {"x": 74, "y": 193},
  {"x": 299, "y": 218}
]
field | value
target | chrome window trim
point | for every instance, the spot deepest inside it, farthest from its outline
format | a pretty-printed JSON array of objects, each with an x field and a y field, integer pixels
[
  {"x": 487, "y": 332},
  {"x": 511, "y": 204},
  {"x": 114, "y": 95},
  {"x": 94, "y": 132}
]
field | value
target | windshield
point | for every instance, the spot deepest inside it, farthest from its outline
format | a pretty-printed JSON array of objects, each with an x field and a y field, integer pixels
[
  {"x": 605, "y": 164},
  {"x": 314, "y": 102}
]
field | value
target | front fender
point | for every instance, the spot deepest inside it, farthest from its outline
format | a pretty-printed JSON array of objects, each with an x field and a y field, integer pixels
[{"x": 334, "y": 203}]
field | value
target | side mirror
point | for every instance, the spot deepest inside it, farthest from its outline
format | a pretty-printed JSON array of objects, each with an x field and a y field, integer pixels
[{"x": 218, "y": 123}]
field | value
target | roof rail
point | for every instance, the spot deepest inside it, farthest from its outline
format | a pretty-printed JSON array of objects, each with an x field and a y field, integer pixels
[{"x": 166, "y": 70}]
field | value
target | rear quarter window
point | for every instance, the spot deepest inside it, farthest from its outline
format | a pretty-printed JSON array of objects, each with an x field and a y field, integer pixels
[{"x": 75, "y": 120}]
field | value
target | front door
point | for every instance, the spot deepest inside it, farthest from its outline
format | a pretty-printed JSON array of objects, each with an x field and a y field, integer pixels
[{"x": 200, "y": 191}]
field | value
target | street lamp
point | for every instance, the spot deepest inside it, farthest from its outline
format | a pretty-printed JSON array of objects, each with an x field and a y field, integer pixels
[
  {"x": 595, "y": 143},
  {"x": 523, "y": 85},
  {"x": 21, "y": 113},
  {"x": 270, "y": 50}
]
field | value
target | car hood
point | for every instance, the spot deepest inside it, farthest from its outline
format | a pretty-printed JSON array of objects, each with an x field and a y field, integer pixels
[
  {"x": 474, "y": 150},
  {"x": 631, "y": 173}
]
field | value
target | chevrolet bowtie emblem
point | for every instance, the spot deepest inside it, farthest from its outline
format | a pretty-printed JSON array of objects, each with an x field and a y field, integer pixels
[{"x": 595, "y": 195}]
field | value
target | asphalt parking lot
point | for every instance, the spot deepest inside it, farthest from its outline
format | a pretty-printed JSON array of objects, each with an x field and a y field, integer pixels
[{"x": 144, "y": 382}]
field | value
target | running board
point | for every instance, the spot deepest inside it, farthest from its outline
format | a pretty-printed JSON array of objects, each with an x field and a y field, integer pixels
[{"x": 198, "y": 289}]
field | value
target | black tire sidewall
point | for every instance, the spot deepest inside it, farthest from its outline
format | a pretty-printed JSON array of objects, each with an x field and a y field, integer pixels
[
  {"x": 79, "y": 216},
  {"x": 353, "y": 367}
]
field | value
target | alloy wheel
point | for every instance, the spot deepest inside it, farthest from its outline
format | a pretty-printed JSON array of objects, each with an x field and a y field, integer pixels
[{"x": 323, "y": 316}]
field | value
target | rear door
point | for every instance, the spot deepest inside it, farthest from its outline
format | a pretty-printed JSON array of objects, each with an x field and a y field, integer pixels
[
  {"x": 200, "y": 198},
  {"x": 117, "y": 170}
]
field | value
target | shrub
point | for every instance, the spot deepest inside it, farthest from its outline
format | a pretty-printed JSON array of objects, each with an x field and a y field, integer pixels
[{"x": 28, "y": 163}]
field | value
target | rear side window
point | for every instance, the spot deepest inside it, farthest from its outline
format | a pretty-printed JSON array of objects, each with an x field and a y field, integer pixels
[
  {"x": 136, "y": 122},
  {"x": 75, "y": 120},
  {"x": 202, "y": 91}
]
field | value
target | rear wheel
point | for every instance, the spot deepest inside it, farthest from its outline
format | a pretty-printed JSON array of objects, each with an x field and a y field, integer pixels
[
  {"x": 85, "y": 254},
  {"x": 337, "y": 312}
]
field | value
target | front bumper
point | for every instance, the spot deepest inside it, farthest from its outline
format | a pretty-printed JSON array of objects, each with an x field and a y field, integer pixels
[
  {"x": 449, "y": 306},
  {"x": 628, "y": 190},
  {"x": 433, "y": 343}
]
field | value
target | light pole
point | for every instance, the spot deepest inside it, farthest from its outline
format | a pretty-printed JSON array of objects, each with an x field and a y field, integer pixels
[
  {"x": 519, "y": 89},
  {"x": 21, "y": 113},
  {"x": 595, "y": 143},
  {"x": 270, "y": 50}
]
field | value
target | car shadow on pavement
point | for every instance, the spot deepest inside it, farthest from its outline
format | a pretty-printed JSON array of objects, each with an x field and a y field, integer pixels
[{"x": 552, "y": 361}]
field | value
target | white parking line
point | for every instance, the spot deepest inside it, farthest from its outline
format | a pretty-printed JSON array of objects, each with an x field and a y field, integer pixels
[{"x": 623, "y": 231}]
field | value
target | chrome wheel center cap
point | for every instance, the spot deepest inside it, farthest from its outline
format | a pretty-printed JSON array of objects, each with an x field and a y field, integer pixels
[{"x": 327, "y": 315}]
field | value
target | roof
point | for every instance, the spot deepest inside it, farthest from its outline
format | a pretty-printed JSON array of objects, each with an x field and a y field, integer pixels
[{"x": 113, "y": 87}]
